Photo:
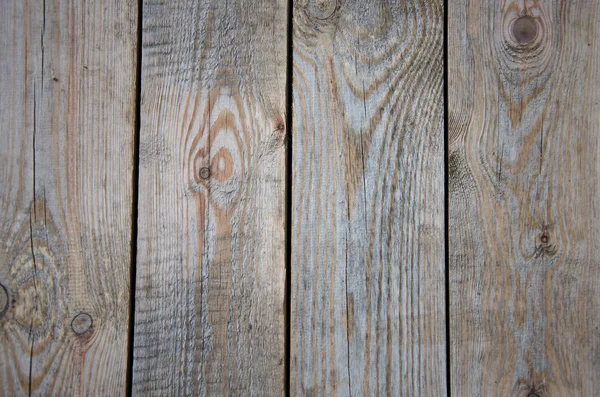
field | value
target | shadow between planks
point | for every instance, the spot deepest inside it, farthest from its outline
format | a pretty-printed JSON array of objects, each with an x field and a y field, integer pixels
[{"x": 329, "y": 198}]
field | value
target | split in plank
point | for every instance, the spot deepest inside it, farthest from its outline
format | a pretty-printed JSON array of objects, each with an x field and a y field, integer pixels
[{"x": 66, "y": 148}]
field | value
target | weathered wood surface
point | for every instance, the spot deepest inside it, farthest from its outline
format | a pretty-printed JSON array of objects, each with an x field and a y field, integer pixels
[
  {"x": 368, "y": 307},
  {"x": 211, "y": 249},
  {"x": 524, "y": 172},
  {"x": 67, "y": 114}
]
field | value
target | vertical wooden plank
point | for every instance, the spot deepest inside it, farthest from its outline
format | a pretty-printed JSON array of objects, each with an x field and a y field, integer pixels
[
  {"x": 368, "y": 308},
  {"x": 211, "y": 248},
  {"x": 524, "y": 185},
  {"x": 67, "y": 116}
]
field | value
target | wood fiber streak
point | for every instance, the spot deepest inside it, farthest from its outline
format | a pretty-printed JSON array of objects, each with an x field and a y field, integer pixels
[
  {"x": 67, "y": 82},
  {"x": 368, "y": 306},
  {"x": 211, "y": 244},
  {"x": 524, "y": 172}
]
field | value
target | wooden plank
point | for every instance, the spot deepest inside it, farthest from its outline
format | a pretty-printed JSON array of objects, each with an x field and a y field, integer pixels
[
  {"x": 524, "y": 186},
  {"x": 211, "y": 249},
  {"x": 368, "y": 306},
  {"x": 67, "y": 117}
]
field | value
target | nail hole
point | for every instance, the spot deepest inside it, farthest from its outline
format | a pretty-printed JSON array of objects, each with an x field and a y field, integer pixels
[
  {"x": 81, "y": 323},
  {"x": 544, "y": 239},
  {"x": 204, "y": 172},
  {"x": 524, "y": 30}
]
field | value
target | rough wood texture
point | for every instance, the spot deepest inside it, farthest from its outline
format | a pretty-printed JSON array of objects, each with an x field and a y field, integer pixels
[
  {"x": 211, "y": 248},
  {"x": 368, "y": 312},
  {"x": 67, "y": 82},
  {"x": 524, "y": 185}
]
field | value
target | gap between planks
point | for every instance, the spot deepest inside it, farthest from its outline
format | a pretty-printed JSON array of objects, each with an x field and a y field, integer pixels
[{"x": 135, "y": 199}]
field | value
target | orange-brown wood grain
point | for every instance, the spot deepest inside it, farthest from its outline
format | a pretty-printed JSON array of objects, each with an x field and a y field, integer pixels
[{"x": 211, "y": 249}]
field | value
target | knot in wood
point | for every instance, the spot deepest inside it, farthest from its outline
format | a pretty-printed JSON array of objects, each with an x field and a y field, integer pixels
[
  {"x": 3, "y": 300},
  {"x": 526, "y": 40},
  {"x": 81, "y": 323},
  {"x": 322, "y": 10},
  {"x": 524, "y": 30},
  {"x": 204, "y": 173}
]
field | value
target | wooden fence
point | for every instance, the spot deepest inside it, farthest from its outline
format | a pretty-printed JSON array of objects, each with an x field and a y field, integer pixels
[{"x": 299, "y": 197}]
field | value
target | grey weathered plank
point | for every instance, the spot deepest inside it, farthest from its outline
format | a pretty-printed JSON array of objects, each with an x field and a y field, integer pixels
[
  {"x": 368, "y": 307},
  {"x": 67, "y": 82},
  {"x": 211, "y": 249},
  {"x": 524, "y": 172}
]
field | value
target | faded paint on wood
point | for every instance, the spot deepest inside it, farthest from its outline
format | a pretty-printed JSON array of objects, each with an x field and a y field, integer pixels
[
  {"x": 211, "y": 249},
  {"x": 524, "y": 172},
  {"x": 368, "y": 306},
  {"x": 67, "y": 115}
]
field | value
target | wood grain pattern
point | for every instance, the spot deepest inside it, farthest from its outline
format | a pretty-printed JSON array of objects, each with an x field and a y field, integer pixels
[
  {"x": 368, "y": 308},
  {"x": 211, "y": 248},
  {"x": 524, "y": 176},
  {"x": 67, "y": 82}
]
